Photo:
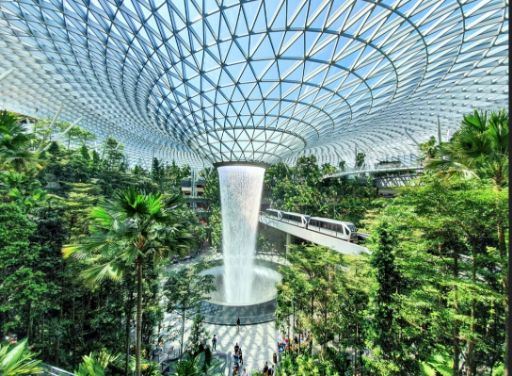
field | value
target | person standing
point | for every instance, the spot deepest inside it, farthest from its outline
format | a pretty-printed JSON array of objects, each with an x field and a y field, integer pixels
[
  {"x": 265, "y": 369},
  {"x": 238, "y": 325},
  {"x": 240, "y": 356},
  {"x": 160, "y": 350},
  {"x": 274, "y": 358},
  {"x": 214, "y": 342}
]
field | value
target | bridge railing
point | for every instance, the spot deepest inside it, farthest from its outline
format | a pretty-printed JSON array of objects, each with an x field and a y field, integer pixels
[{"x": 54, "y": 371}]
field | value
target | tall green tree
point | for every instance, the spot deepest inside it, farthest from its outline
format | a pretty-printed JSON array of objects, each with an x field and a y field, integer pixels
[
  {"x": 310, "y": 293},
  {"x": 19, "y": 262},
  {"x": 124, "y": 233},
  {"x": 359, "y": 161},
  {"x": 449, "y": 299},
  {"x": 184, "y": 289},
  {"x": 383, "y": 326},
  {"x": 480, "y": 149}
]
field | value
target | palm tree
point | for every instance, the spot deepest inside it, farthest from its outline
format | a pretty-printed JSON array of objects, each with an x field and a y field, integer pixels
[
  {"x": 18, "y": 360},
  {"x": 90, "y": 366},
  {"x": 15, "y": 144},
  {"x": 479, "y": 149},
  {"x": 124, "y": 234},
  {"x": 95, "y": 364},
  {"x": 197, "y": 366},
  {"x": 104, "y": 363}
]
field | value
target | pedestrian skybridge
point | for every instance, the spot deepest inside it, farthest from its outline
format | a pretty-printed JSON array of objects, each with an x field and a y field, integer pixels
[{"x": 340, "y": 236}]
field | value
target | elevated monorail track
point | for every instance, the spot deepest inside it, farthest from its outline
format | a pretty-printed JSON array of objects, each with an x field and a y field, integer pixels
[{"x": 340, "y": 236}]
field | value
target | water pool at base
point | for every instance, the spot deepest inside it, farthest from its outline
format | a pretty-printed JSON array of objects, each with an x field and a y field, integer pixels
[{"x": 263, "y": 287}]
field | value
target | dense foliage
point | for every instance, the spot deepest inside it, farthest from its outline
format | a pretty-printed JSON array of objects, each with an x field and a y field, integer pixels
[
  {"x": 48, "y": 191},
  {"x": 303, "y": 189},
  {"x": 184, "y": 289},
  {"x": 431, "y": 298}
]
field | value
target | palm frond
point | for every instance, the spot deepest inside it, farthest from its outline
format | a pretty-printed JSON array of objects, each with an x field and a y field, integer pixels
[
  {"x": 96, "y": 274},
  {"x": 101, "y": 217},
  {"x": 69, "y": 250},
  {"x": 18, "y": 360}
]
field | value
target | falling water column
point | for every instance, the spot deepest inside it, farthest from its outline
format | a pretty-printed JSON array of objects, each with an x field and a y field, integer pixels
[{"x": 240, "y": 193}]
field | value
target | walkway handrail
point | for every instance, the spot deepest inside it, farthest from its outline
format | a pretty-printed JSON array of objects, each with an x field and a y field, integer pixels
[{"x": 54, "y": 371}]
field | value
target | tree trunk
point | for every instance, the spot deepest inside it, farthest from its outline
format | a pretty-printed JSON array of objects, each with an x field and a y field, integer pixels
[
  {"x": 129, "y": 308},
  {"x": 455, "y": 334},
  {"x": 470, "y": 358},
  {"x": 29, "y": 322},
  {"x": 289, "y": 318},
  {"x": 293, "y": 323},
  {"x": 127, "y": 344},
  {"x": 500, "y": 228},
  {"x": 356, "y": 344},
  {"x": 501, "y": 237},
  {"x": 503, "y": 256},
  {"x": 183, "y": 318},
  {"x": 139, "y": 317}
]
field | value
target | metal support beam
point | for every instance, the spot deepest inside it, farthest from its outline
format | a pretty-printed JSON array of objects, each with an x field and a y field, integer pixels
[
  {"x": 287, "y": 245},
  {"x": 72, "y": 125},
  {"x": 6, "y": 73},
  {"x": 439, "y": 139},
  {"x": 65, "y": 131},
  {"x": 412, "y": 138},
  {"x": 54, "y": 120}
]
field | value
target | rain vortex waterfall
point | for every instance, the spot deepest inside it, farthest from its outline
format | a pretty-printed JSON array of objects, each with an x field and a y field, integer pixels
[{"x": 240, "y": 193}]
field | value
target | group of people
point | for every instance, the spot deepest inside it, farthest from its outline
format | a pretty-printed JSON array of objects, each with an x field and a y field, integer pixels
[
  {"x": 238, "y": 357},
  {"x": 283, "y": 344},
  {"x": 238, "y": 360},
  {"x": 268, "y": 370},
  {"x": 287, "y": 344}
]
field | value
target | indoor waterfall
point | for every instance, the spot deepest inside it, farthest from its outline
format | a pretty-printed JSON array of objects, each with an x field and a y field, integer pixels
[{"x": 240, "y": 192}]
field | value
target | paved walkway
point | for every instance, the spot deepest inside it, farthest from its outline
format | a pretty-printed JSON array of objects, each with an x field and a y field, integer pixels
[{"x": 258, "y": 342}]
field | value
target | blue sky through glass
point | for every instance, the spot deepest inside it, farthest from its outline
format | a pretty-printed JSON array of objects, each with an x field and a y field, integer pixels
[{"x": 259, "y": 80}]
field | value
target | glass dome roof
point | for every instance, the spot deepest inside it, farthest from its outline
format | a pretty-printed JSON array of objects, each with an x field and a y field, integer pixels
[{"x": 210, "y": 81}]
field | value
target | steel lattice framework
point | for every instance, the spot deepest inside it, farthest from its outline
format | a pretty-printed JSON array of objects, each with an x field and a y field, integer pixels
[{"x": 212, "y": 80}]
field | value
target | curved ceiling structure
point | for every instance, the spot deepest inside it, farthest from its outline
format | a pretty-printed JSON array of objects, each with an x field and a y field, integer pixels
[{"x": 202, "y": 81}]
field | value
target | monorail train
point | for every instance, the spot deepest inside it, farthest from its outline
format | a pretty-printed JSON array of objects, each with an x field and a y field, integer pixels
[{"x": 340, "y": 229}]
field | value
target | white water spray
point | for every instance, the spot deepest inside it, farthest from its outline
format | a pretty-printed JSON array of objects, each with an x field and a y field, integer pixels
[{"x": 240, "y": 194}]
